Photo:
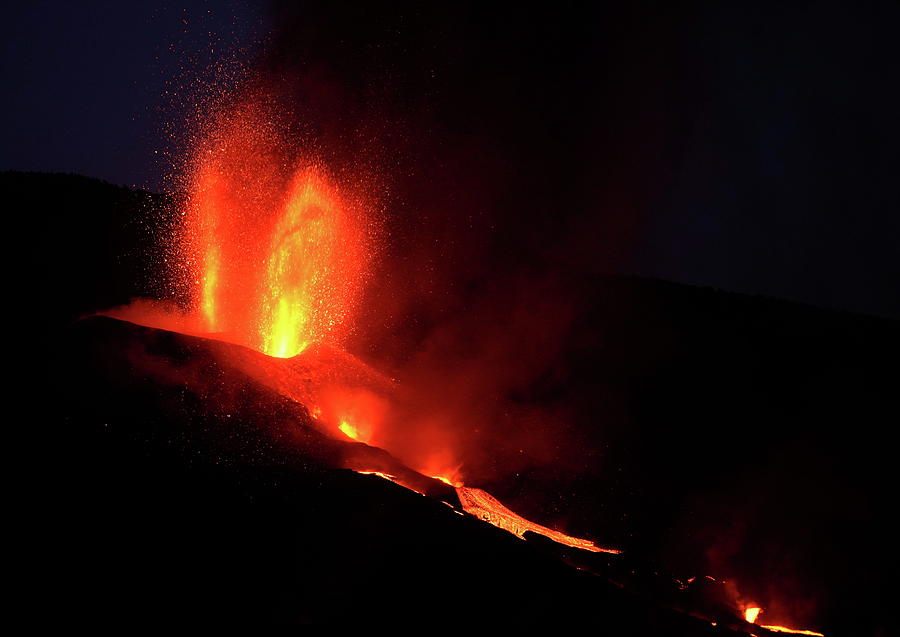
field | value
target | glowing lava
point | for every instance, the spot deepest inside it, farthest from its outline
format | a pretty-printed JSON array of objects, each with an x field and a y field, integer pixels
[
  {"x": 349, "y": 430},
  {"x": 301, "y": 296},
  {"x": 751, "y": 614},
  {"x": 380, "y": 474},
  {"x": 794, "y": 631},
  {"x": 486, "y": 507},
  {"x": 447, "y": 481}
]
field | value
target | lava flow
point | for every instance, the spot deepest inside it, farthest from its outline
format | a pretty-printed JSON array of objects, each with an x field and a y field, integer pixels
[
  {"x": 752, "y": 613},
  {"x": 486, "y": 507},
  {"x": 482, "y": 505}
]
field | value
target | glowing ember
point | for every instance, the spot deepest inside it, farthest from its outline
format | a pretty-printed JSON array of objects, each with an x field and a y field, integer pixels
[{"x": 486, "y": 507}]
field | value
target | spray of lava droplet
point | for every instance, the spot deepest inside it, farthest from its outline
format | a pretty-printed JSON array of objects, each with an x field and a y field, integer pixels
[{"x": 274, "y": 258}]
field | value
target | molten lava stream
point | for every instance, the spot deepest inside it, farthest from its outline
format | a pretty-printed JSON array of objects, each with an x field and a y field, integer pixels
[{"x": 486, "y": 507}]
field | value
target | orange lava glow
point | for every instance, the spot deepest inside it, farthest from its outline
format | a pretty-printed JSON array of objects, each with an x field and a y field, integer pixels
[
  {"x": 486, "y": 507},
  {"x": 380, "y": 474},
  {"x": 795, "y": 631},
  {"x": 357, "y": 412},
  {"x": 306, "y": 248},
  {"x": 349, "y": 430},
  {"x": 751, "y": 614},
  {"x": 448, "y": 481},
  {"x": 275, "y": 257}
]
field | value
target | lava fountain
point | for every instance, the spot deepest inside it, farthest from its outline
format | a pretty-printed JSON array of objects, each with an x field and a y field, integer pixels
[{"x": 273, "y": 258}]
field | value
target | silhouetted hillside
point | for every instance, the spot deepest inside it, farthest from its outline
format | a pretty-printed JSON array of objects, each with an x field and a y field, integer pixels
[{"x": 85, "y": 243}]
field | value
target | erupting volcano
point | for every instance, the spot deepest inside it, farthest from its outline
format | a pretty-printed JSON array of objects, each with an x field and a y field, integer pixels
[
  {"x": 403, "y": 319},
  {"x": 274, "y": 260},
  {"x": 275, "y": 257},
  {"x": 272, "y": 253}
]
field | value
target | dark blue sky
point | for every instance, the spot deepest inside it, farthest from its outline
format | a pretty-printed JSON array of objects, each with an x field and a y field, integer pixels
[
  {"x": 788, "y": 167},
  {"x": 762, "y": 139},
  {"x": 85, "y": 82}
]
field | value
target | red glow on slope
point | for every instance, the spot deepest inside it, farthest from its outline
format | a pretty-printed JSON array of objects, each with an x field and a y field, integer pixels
[
  {"x": 447, "y": 481},
  {"x": 357, "y": 412}
]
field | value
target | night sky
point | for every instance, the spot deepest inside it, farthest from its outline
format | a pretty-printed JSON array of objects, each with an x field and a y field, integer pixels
[
  {"x": 753, "y": 147},
  {"x": 89, "y": 84}
]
